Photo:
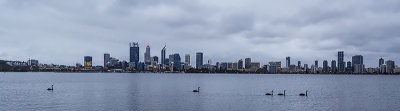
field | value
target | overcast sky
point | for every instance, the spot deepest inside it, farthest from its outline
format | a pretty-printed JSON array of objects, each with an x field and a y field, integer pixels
[{"x": 64, "y": 31}]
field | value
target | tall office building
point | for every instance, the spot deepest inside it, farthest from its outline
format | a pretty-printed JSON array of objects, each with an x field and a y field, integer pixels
[
  {"x": 349, "y": 68},
  {"x": 163, "y": 50},
  {"x": 247, "y": 63},
  {"x": 147, "y": 58},
  {"x": 358, "y": 64},
  {"x": 341, "y": 63},
  {"x": 176, "y": 62},
  {"x": 333, "y": 66},
  {"x": 88, "y": 62},
  {"x": 134, "y": 52},
  {"x": 316, "y": 64},
  {"x": 199, "y": 60},
  {"x": 106, "y": 58},
  {"x": 325, "y": 66},
  {"x": 240, "y": 64},
  {"x": 299, "y": 64},
  {"x": 390, "y": 66},
  {"x": 154, "y": 61},
  {"x": 381, "y": 61},
  {"x": 187, "y": 59},
  {"x": 287, "y": 61}
]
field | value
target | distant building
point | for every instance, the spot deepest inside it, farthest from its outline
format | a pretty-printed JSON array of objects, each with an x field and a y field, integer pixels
[
  {"x": 147, "y": 58},
  {"x": 187, "y": 59},
  {"x": 358, "y": 64},
  {"x": 390, "y": 66},
  {"x": 325, "y": 66},
  {"x": 154, "y": 61},
  {"x": 247, "y": 63},
  {"x": 349, "y": 69},
  {"x": 163, "y": 50},
  {"x": 316, "y": 64},
  {"x": 333, "y": 66},
  {"x": 287, "y": 61},
  {"x": 177, "y": 62},
  {"x": 240, "y": 64},
  {"x": 33, "y": 62},
  {"x": 199, "y": 60},
  {"x": 106, "y": 59},
  {"x": 274, "y": 67},
  {"x": 341, "y": 63},
  {"x": 134, "y": 52},
  {"x": 254, "y": 66},
  {"x": 88, "y": 62},
  {"x": 381, "y": 61},
  {"x": 299, "y": 64}
]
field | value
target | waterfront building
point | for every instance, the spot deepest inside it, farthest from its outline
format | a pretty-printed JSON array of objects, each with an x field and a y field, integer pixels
[
  {"x": 106, "y": 59},
  {"x": 134, "y": 52},
  {"x": 341, "y": 63},
  {"x": 274, "y": 67},
  {"x": 390, "y": 66},
  {"x": 199, "y": 60},
  {"x": 247, "y": 63},
  {"x": 240, "y": 64},
  {"x": 254, "y": 66},
  {"x": 349, "y": 69},
  {"x": 176, "y": 62},
  {"x": 381, "y": 61},
  {"x": 333, "y": 66},
  {"x": 288, "y": 62},
  {"x": 316, "y": 64},
  {"x": 88, "y": 62},
  {"x": 325, "y": 66},
  {"x": 154, "y": 61},
  {"x": 33, "y": 62},
  {"x": 299, "y": 65},
  {"x": 163, "y": 50},
  {"x": 358, "y": 64},
  {"x": 187, "y": 58},
  {"x": 147, "y": 58}
]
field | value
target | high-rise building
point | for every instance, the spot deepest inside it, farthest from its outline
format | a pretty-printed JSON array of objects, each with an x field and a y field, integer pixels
[
  {"x": 390, "y": 66},
  {"x": 199, "y": 60},
  {"x": 154, "y": 61},
  {"x": 163, "y": 50},
  {"x": 349, "y": 68},
  {"x": 287, "y": 61},
  {"x": 325, "y": 66},
  {"x": 240, "y": 64},
  {"x": 177, "y": 62},
  {"x": 358, "y": 64},
  {"x": 187, "y": 59},
  {"x": 299, "y": 64},
  {"x": 147, "y": 58},
  {"x": 316, "y": 64},
  {"x": 88, "y": 62},
  {"x": 106, "y": 58},
  {"x": 134, "y": 52},
  {"x": 381, "y": 61},
  {"x": 333, "y": 66},
  {"x": 341, "y": 63},
  {"x": 247, "y": 63}
]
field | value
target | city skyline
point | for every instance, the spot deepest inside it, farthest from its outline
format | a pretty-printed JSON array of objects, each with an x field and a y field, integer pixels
[{"x": 56, "y": 32}]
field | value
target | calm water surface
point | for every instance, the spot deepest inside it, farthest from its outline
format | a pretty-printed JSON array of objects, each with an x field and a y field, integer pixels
[{"x": 222, "y": 92}]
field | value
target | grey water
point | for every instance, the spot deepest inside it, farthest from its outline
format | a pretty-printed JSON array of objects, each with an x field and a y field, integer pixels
[{"x": 218, "y": 92}]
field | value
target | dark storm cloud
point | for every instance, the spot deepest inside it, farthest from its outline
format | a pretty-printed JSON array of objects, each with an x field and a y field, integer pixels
[{"x": 65, "y": 31}]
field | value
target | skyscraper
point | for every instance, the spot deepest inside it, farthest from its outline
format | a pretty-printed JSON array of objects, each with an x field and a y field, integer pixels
[
  {"x": 154, "y": 60},
  {"x": 187, "y": 59},
  {"x": 199, "y": 60},
  {"x": 390, "y": 66},
  {"x": 299, "y": 64},
  {"x": 247, "y": 63},
  {"x": 134, "y": 52},
  {"x": 333, "y": 66},
  {"x": 163, "y": 50},
  {"x": 316, "y": 64},
  {"x": 240, "y": 64},
  {"x": 147, "y": 58},
  {"x": 325, "y": 66},
  {"x": 381, "y": 61},
  {"x": 88, "y": 62},
  {"x": 341, "y": 63},
  {"x": 349, "y": 69},
  {"x": 177, "y": 62},
  {"x": 287, "y": 61},
  {"x": 106, "y": 58},
  {"x": 358, "y": 64}
]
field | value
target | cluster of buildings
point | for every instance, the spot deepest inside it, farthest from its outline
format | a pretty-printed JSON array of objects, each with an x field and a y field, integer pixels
[{"x": 176, "y": 62}]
